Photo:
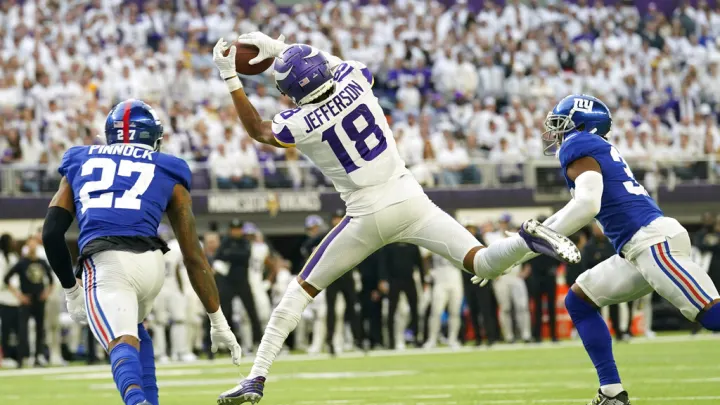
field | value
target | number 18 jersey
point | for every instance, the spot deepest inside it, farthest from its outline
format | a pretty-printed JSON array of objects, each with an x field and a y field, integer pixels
[
  {"x": 626, "y": 206},
  {"x": 121, "y": 189},
  {"x": 348, "y": 138}
]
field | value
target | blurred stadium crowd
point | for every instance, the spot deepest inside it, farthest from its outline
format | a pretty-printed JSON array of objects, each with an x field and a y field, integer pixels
[
  {"x": 400, "y": 297},
  {"x": 463, "y": 87}
]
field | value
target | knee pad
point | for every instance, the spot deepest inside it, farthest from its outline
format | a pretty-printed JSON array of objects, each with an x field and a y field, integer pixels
[{"x": 710, "y": 319}]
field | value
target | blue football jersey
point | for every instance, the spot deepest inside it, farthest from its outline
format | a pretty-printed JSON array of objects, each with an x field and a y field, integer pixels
[
  {"x": 121, "y": 189},
  {"x": 626, "y": 206}
]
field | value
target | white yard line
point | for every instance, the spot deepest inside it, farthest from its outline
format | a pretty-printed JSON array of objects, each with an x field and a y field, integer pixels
[
  {"x": 273, "y": 377},
  {"x": 224, "y": 362},
  {"x": 574, "y": 401}
]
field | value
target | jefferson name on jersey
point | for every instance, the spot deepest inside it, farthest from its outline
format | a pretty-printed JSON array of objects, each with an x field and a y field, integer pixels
[
  {"x": 121, "y": 189},
  {"x": 333, "y": 106}
]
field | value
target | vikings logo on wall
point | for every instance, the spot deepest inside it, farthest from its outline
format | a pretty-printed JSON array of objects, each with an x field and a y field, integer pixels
[{"x": 272, "y": 203}]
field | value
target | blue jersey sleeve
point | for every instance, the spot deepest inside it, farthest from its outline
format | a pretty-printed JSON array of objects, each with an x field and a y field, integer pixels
[
  {"x": 581, "y": 144},
  {"x": 177, "y": 169},
  {"x": 67, "y": 160}
]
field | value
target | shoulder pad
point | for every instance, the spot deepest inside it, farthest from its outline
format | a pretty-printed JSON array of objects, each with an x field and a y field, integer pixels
[
  {"x": 355, "y": 69},
  {"x": 581, "y": 144},
  {"x": 176, "y": 168},
  {"x": 67, "y": 159}
]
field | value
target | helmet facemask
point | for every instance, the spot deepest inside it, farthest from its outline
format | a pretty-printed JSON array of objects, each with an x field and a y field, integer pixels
[{"x": 556, "y": 127}]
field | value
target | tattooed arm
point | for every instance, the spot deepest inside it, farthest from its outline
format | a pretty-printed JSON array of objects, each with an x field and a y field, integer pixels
[{"x": 179, "y": 212}]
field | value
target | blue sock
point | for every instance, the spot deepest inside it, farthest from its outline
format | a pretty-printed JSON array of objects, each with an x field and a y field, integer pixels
[
  {"x": 595, "y": 336},
  {"x": 127, "y": 372},
  {"x": 710, "y": 319},
  {"x": 147, "y": 361}
]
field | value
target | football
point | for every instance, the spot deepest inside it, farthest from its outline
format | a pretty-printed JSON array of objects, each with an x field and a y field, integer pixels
[{"x": 243, "y": 56}]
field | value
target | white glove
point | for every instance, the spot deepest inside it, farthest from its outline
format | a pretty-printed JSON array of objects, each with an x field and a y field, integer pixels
[
  {"x": 226, "y": 64},
  {"x": 222, "y": 336},
  {"x": 269, "y": 48},
  {"x": 76, "y": 304}
]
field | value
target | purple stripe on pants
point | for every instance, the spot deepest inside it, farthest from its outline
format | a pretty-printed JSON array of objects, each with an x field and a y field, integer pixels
[{"x": 323, "y": 246}]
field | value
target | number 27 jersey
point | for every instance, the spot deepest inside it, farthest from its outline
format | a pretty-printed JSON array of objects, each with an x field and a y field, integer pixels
[
  {"x": 348, "y": 138},
  {"x": 121, "y": 189},
  {"x": 626, "y": 206}
]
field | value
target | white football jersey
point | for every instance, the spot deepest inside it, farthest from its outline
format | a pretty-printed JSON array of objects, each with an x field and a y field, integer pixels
[{"x": 348, "y": 138}]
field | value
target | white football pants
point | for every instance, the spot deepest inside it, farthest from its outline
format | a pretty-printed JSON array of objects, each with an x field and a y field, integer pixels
[
  {"x": 656, "y": 258},
  {"x": 447, "y": 293},
  {"x": 512, "y": 294},
  {"x": 120, "y": 289}
]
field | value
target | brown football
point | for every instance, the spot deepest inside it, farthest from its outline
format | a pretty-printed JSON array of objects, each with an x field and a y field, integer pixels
[{"x": 242, "y": 58}]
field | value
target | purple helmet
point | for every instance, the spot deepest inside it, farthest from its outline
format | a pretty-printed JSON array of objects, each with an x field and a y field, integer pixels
[{"x": 302, "y": 73}]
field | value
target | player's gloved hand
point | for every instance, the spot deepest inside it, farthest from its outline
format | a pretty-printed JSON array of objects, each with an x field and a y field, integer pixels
[
  {"x": 222, "y": 336},
  {"x": 481, "y": 282},
  {"x": 76, "y": 304},
  {"x": 269, "y": 48},
  {"x": 226, "y": 64}
]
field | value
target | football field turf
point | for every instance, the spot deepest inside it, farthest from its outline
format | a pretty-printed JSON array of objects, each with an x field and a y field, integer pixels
[{"x": 674, "y": 370}]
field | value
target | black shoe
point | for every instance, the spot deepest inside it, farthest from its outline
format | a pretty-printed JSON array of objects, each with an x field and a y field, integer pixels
[{"x": 619, "y": 399}]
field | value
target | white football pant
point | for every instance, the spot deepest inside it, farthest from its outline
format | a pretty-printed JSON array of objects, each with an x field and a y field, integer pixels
[
  {"x": 512, "y": 295},
  {"x": 120, "y": 289},
  {"x": 447, "y": 292},
  {"x": 657, "y": 258}
]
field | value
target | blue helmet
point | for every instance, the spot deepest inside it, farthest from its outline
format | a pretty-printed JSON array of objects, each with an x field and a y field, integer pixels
[
  {"x": 133, "y": 121},
  {"x": 302, "y": 73},
  {"x": 578, "y": 112}
]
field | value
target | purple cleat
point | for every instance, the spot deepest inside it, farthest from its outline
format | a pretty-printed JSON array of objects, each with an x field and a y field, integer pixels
[
  {"x": 249, "y": 390},
  {"x": 541, "y": 239}
]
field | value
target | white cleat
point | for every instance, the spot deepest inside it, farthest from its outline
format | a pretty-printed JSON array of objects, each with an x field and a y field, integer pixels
[{"x": 541, "y": 239}]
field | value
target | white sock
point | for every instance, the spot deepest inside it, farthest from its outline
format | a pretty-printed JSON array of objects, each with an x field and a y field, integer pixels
[
  {"x": 178, "y": 334},
  {"x": 611, "y": 390},
  {"x": 283, "y": 320},
  {"x": 500, "y": 256}
]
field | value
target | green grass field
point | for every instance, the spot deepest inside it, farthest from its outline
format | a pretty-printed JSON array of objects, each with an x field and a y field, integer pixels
[{"x": 669, "y": 370}]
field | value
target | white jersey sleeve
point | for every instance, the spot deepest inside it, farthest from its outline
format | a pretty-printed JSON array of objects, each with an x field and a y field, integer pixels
[{"x": 347, "y": 136}]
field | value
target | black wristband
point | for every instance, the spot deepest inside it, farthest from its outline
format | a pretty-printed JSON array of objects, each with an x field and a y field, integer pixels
[{"x": 57, "y": 222}]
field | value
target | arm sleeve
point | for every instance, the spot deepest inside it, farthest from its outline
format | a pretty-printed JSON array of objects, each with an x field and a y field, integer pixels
[
  {"x": 57, "y": 222},
  {"x": 583, "y": 207}
]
